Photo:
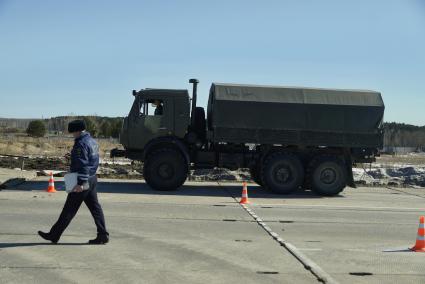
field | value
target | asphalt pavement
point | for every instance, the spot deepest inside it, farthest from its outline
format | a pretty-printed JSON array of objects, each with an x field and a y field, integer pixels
[{"x": 201, "y": 234}]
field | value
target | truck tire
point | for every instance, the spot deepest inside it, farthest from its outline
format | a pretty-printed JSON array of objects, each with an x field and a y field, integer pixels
[
  {"x": 282, "y": 173},
  {"x": 255, "y": 173},
  {"x": 165, "y": 169},
  {"x": 327, "y": 175}
]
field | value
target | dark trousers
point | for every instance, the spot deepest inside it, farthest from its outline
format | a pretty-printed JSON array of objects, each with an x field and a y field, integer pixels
[{"x": 73, "y": 203}]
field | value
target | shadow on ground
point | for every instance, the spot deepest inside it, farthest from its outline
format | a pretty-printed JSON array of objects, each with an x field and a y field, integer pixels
[
  {"x": 225, "y": 190},
  {"x": 13, "y": 245}
]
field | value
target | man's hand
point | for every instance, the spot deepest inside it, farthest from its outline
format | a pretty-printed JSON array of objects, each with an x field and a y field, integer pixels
[{"x": 77, "y": 188}]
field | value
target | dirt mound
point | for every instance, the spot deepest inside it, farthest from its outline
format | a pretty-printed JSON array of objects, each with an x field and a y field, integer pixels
[{"x": 393, "y": 176}]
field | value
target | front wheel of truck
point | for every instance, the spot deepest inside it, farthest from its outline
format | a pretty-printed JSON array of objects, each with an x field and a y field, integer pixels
[
  {"x": 282, "y": 173},
  {"x": 165, "y": 169},
  {"x": 327, "y": 175}
]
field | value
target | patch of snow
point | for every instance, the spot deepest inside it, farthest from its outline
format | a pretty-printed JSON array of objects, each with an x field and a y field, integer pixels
[{"x": 411, "y": 175}]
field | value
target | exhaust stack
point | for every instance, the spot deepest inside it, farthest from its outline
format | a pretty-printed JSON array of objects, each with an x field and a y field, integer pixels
[{"x": 194, "y": 96}]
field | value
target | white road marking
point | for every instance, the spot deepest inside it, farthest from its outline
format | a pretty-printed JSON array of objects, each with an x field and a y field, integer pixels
[
  {"x": 354, "y": 249},
  {"x": 310, "y": 249},
  {"x": 315, "y": 269},
  {"x": 401, "y": 249},
  {"x": 341, "y": 207}
]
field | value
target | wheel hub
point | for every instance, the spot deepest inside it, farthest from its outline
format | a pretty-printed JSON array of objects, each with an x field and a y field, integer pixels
[
  {"x": 165, "y": 171},
  {"x": 283, "y": 175},
  {"x": 328, "y": 176}
]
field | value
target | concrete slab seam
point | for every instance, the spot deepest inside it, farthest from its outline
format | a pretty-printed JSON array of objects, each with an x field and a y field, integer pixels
[
  {"x": 308, "y": 264},
  {"x": 407, "y": 193}
]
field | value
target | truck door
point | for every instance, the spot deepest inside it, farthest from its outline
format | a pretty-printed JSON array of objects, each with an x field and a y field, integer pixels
[{"x": 152, "y": 120}]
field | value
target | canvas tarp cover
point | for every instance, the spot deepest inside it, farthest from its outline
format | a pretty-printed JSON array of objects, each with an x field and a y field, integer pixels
[{"x": 268, "y": 114}]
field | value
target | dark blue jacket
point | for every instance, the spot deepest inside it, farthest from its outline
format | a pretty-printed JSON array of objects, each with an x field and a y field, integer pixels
[{"x": 84, "y": 157}]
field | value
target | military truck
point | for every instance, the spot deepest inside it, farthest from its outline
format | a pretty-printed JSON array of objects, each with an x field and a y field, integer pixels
[{"x": 290, "y": 138}]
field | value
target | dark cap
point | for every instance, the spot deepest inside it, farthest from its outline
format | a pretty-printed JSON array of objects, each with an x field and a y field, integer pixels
[{"x": 76, "y": 125}]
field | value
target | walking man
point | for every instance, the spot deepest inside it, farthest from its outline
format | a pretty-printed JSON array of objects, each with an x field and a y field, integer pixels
[{"x": 84, "y": 161}]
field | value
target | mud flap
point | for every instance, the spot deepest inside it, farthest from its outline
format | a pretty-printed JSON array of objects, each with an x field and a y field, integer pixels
[{"x": 349, "y": 167}]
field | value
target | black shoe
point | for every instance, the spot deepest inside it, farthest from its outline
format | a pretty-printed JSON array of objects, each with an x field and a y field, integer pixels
[
  {"x": 100, "y": 240},
  {"x": 47, "y": 237}
]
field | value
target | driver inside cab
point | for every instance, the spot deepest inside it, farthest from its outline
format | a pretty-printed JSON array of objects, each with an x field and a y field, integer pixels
[{"x": 159, "y": 109}]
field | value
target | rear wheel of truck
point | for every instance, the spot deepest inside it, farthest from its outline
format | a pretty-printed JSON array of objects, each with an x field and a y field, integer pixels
[
  {"x": 328, "y": 175},
  {"x": 282, "y": 173},
  {"x": 165, "y": 169},
  {"x": 255, "y": 173}
]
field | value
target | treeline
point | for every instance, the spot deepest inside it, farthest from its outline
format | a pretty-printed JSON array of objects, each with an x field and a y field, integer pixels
[
  {"x": 98, "y": 126},
  {"x": 395, "y": 134},
  {"x": 104, "y": 126},
  {"x": 404, "y": 135}
]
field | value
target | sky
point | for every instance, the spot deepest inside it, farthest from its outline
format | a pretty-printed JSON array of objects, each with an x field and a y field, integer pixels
[{"x": 85, "y": 57}]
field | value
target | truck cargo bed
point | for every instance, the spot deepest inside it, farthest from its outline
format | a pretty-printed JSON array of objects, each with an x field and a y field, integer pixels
[{"x": 295, "y": 116}]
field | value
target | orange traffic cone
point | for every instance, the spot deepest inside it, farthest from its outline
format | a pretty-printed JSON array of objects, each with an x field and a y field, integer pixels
[
  {"x": 420, "y": 239},
  {"x": 244, "y": 199},
  {"x": 51, "y": 187}
]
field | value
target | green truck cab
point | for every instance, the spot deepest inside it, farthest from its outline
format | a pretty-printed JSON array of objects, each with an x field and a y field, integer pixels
[
  {"x": 142, "y": 124},
  {"x": 289, "y": 137}
]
